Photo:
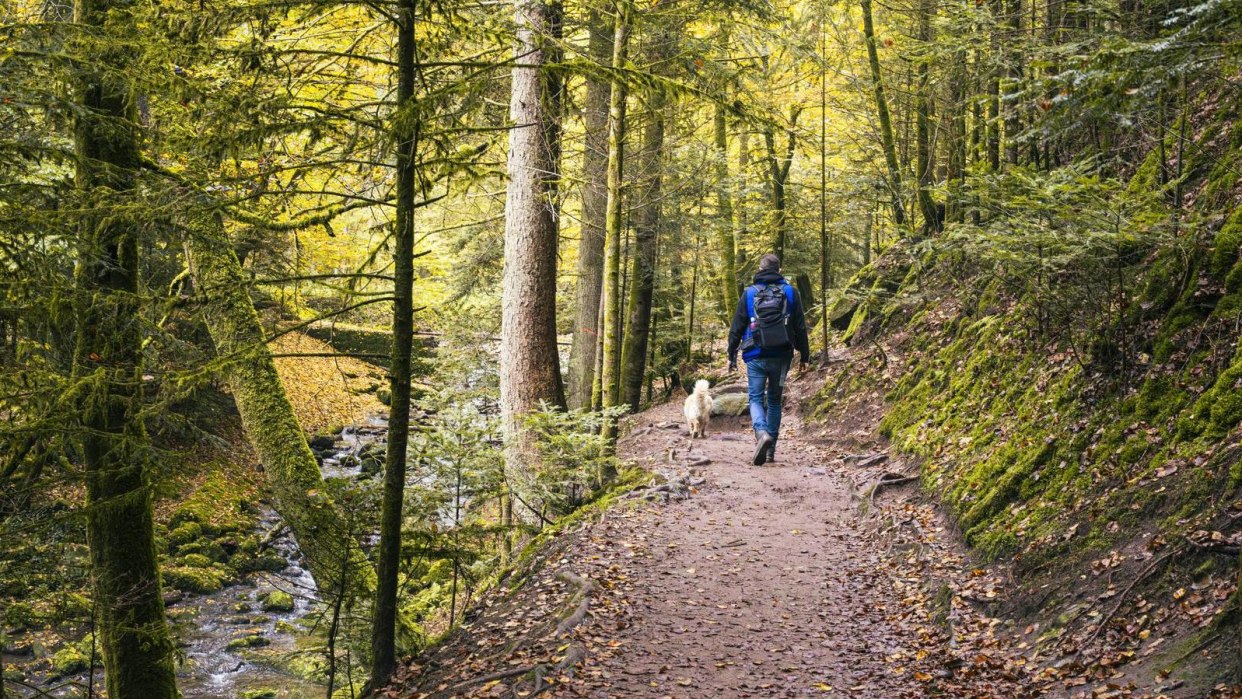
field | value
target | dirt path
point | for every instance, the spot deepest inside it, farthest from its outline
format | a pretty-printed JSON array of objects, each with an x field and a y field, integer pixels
[{"x": 757, "y": 582}]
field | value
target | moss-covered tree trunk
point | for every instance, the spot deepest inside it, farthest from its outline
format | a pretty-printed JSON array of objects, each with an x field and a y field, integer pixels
[
  {"x": 882, "y": 113},
  {"x": 293, "y": 476},
  {"x": 924, "y": 152},
  {"x": 137, "y": 652},
  {"x": 778, "y": 177},
  {"x": 610, "y": 379},
  {"x": 384, "y": 621},
  {"x": 582, "y": 355},
  {"x": 725, "y": 235}
]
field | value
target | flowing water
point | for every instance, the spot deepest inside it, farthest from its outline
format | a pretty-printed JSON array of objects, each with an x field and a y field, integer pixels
[{"x": 204, "y": 626}]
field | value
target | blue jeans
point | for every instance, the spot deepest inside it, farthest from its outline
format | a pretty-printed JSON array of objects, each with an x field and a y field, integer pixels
[{"x": 767, "y": 373}]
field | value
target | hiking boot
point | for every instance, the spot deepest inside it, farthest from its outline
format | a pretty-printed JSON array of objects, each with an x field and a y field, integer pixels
[
  {"x": 772, "y": 450},
  {"x": 763, "y": 443}
]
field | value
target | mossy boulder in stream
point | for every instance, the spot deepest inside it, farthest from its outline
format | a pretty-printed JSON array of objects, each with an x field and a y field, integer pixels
[
  {"x": 203, "y": 581},
  {"x": 277, "y": 601},
  {"x": 253, "y": 640}
]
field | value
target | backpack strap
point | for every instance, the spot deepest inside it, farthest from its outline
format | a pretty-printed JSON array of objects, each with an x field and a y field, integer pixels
[
  {"x": 750, "y": 300},
  {"x": 789, "y": 296}
]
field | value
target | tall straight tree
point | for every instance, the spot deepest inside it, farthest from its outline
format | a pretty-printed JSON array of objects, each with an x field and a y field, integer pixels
[
  {"x": 582, "y": 355},
  {"x": 137, "y": 652},
  {"x": 825, "y": 243},
  {"x": 610, "y": 379},
  {"x": 924, "y": 152},
  {"x": 646, "y": 229},
  {"x": 529, "y": 364},
  {"x": 726, "y": 234},
  {"x": 778, "y": 177},
  {"x": 883, "y": 115},
  {"x": 384, "y": 622}
]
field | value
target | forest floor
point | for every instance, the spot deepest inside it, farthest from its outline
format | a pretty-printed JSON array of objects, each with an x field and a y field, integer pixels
[{"x": 730, "y": 580}]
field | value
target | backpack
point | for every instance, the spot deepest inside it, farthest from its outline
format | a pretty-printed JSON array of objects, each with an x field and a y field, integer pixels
[{"x": 769, "y": 316}]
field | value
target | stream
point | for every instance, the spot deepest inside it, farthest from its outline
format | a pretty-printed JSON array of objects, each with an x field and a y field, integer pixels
[
  {"x": 230, "y": 646},
  {"x": 213, "y": 669}
]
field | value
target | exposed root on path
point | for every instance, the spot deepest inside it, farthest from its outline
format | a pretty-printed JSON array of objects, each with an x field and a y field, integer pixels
[{"x": 581, "y": 602}]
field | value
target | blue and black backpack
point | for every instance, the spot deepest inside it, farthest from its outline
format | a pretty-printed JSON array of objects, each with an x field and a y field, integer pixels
[{"x": 769, "y": 307}]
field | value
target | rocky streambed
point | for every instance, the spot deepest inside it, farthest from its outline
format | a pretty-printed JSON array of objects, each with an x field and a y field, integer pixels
[{"x": 240, "y": 600}]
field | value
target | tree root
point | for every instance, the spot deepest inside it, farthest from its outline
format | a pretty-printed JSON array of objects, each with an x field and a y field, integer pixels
[
  {"x": 499, "y": 675},
  {"x": 1121, "y": 599},
  {"x": 867, "y": 496},
  {"x": 573, "y": 656},
  {"x": 581, "y": 601}
]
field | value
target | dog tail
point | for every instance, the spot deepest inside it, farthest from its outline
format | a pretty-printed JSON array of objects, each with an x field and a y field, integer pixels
[{"x": 701, "y": 386}]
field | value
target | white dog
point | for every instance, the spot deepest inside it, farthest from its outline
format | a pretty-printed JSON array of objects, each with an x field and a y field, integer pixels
[{"x": 699, "y": 410}]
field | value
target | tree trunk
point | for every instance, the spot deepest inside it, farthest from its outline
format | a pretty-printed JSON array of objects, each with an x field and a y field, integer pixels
[
  {"x": 610, "y": 379},
  {"x": 137, "y": 653},
  {"x": 740, "y": 203},
  {"x": 726, "y": 235},
  {"x": 384, "y": 622},
  {"x": 778, "y": 174},
  {"x": 1014, "y": 58},
  {"x": 956, "y": 171},
  {"x": 642, "y": 275},
  {"x": 924, "y": 155},
  {"x": 994, "y": 124},
  {"x": 529, "y": 365},
  {"x": 825, "y": 243},
  {"x": 594, "y": 208},
  {"x": 292, "y": 472},
  {"x": 882, "y": 113}
]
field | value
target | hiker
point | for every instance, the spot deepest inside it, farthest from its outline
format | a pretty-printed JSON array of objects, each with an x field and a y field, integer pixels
[{"x": 768, "y": 326}]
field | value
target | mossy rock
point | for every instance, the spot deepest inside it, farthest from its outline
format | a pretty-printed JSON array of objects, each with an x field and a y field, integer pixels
[
  {"x": 203, "y": 581},
  {"x": 371, "y": 466},
  {"x": 187, "y": 532},
  {"x": 209, "y": 549},
  {"x": 277, "y": 601},
  {"x": 321, "y": 442},
  {"x": 72, "y": 659},
  {"x": 21, "y": 615},
  {"x": 257, "y": 694},
  {"x": 267, "y": 562},
  {"x": 731, "y": 404},
  {"x": 384, "y": 396},
  {"x": 195, "y": 560},
  {"x": 253, "y": 640}
]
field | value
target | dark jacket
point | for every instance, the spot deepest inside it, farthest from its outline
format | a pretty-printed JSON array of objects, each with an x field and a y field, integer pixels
[{"x": 797, "y": 323}]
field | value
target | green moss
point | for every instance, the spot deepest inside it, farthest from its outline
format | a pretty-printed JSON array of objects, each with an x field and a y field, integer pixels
[
  {"x": 248, "y": 641},
  {"x": 247, "y": 563},
  {"x": 277, "y": 601},
  {"x": 202, "y": 581},
  {"x": 195, "y": 560},
  {"x": 258, "y": 694},
  {"x": 73, "y": 658},
  {"x": 186, "y": 532}
]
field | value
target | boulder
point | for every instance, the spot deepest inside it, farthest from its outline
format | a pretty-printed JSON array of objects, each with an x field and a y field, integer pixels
[{"x": 730, "y": 404}]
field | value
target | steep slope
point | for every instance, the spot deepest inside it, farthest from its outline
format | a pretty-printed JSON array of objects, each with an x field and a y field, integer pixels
[{"x": 1079, "y": 415}]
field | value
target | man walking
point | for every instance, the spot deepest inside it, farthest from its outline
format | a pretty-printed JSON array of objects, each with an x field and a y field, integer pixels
[{"x": 768, "y": 326}]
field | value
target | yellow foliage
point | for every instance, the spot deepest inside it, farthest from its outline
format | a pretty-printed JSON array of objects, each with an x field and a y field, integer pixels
[{"x": 326, "y": 392}]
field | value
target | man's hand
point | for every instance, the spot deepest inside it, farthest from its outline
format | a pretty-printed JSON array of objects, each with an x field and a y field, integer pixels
[{"x": 732, "y": 366}]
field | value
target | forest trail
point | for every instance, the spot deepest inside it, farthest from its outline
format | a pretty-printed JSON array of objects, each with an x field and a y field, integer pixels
[
  {"x": 760, "y": 584},
  {"x": 733, "y": 581}
]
